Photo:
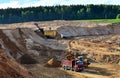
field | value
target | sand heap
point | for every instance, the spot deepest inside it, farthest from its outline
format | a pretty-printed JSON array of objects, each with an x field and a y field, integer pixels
[
  {"x": 11, "y": 69},
  {"x": 53, "y": 62}
]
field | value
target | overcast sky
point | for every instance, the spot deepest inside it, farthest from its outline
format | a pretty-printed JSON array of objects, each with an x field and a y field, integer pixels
[{"x": 28, "y": 3}]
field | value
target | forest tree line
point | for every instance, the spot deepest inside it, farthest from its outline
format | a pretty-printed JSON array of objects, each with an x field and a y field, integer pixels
[{"x": 46, "y": 13}]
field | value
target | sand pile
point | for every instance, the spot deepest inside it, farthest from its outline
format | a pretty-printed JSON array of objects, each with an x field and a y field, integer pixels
[
  {"x": 27, "y": 59},
  {"x": 53, "y": 63}
]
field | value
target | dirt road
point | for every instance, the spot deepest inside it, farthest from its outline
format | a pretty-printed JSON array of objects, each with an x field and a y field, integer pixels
[{"x": 96, "y": 70}]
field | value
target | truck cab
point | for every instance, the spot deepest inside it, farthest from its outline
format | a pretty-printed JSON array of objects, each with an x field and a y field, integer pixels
[{"x": 85, "y": 60}]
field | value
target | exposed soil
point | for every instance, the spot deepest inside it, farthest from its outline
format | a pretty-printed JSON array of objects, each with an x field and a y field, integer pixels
[
  {"x": 11, "y": 69},
  {"x": 53, "y": 63},
  {"x": 27, "y": 59},
  {"x": 19, "y": 42},
  {"x": 13, "y": 49}
]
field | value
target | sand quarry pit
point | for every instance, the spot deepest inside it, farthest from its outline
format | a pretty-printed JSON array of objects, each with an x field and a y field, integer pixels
[{"x": 21, "y": 46}]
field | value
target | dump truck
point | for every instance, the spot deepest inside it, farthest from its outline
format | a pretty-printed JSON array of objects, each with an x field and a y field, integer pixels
[
  {"x": 74, "y": 65},
  {"x": 75, "y": 54},
  {"x": 75, "y": 62}
]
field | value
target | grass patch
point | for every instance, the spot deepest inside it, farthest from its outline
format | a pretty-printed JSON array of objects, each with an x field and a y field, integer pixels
[{"x": 113, "y": 21}]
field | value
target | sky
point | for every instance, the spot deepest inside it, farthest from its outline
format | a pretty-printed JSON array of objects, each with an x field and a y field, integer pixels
[{"x": 29, "y": 3}]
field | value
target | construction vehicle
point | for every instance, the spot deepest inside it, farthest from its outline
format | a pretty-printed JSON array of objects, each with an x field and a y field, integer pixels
[
  {"x": 73, "y": 64},
  {"x": 85, "y": 60},
  {"x": 40, "y": 29},
  {"x": 51, "y": 34},
  {"x": 74, "y": 53}
]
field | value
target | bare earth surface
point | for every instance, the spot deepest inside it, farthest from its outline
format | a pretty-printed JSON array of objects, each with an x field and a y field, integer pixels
[{"x": 19, "y": 43}]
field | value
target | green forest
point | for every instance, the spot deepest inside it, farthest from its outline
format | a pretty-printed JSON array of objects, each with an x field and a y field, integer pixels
[{"x": 47, "y": 13}]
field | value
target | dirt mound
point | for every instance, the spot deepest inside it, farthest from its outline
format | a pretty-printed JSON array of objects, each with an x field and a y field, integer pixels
[
  {"x": 27, "y": 59},
  {"x": 11, "y": 46},
  {"x": 53, "y": 63},
  {"x": 11, "y": 69},
  {"x": 73, "y": 31}
]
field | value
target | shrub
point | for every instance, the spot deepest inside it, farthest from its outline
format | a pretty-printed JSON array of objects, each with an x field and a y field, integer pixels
[{"x": 118, "y": 16}]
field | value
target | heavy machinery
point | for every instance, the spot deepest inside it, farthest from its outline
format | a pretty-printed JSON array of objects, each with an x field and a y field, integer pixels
[
  {"x": 76, "y": 63},
  {"x": 73, "y": 64},
  {"x": 85, "y": 60},
  {"x": 52, "y": 34},
  {"x": 74, "y": 60},
  {"x": 75, "y": 54}
]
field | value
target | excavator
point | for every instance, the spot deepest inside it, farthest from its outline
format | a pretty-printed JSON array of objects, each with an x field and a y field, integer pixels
[
  {"x": 81, "y": 57},
  {"x": 74, "y": 55},
  {"x": 49, "y": 34},
  {"x": 40, "y": 29}
]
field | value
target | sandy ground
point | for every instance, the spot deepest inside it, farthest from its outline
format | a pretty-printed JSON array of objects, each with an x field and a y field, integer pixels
[
  {"x": 100, "y": 41},
  {"x": 95, "y": 70}
]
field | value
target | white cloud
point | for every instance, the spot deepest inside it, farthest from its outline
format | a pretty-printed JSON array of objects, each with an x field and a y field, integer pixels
[
  {"x": 28, "y": 3},
  {"x": 10, "y": 4}
]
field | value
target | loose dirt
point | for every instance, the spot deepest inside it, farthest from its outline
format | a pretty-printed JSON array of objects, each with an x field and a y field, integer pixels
[
  {"x": 53, "y": 62},
  {"x": 100, "y": 42},
  {"x": 11, "y": 69}
]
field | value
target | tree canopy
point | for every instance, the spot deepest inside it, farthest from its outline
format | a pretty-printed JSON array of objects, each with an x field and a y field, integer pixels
[{"x": 46, "y": 13}]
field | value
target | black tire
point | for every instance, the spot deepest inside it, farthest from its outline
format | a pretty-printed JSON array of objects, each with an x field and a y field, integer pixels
[
  {"x": 87, "y": 66},
  {"x": 71, "y": 68},
  {"x": 64, "y": 67},
  {"x": 81, "y": 69},
  {"x": 75, "y": 69}
]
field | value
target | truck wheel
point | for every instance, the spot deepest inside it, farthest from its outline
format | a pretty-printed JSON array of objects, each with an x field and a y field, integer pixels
[
  {"x": 86, "y": 66},
  {"x": 75, "y": 69},
  {"x": 64, "y": 67},
  {"x": 81, "y": 69},
  {"x": 71, "y": 68}
]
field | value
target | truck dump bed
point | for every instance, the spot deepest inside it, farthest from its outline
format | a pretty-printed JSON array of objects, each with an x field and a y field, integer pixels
[{"x": 67, "y": 63}]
